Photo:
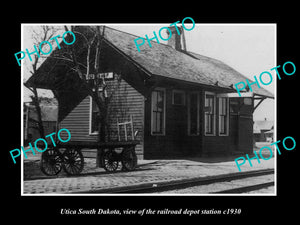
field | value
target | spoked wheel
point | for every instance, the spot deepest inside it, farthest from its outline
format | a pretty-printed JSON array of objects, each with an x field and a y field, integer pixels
[
  {"x": 51, "y": 162},
  {"x": 109, "y": 162},
  {"x": 129, "y": 159},
  {"x": 73, "y": 161}
]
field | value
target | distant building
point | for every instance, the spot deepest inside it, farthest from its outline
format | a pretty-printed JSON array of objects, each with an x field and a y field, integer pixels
[
  {"x": 263, "y": 130},
  {"x": 269, "y": 135},
  {"x": 49, "y": 118}
]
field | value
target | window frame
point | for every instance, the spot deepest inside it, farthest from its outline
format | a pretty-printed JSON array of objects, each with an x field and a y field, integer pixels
[
  {"x": 90, "y": 118},
  {"x": 189, "y": 116},
  {"x": 227, "y": 116},
  {"x": 164, "y": 113},
  {"x": 214, "y": 114},
  {"x": 179, "y": 92}
]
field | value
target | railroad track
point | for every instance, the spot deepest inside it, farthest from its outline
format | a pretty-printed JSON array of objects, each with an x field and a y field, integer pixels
[
  {"x": 186, "y": 183},
  {"x": 246, "y": 188}
]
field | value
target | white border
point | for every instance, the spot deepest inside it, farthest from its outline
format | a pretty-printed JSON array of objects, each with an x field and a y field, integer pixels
[
  {"x": 22, "y": 116},
  {"x": 146, "y": 24},
  {"x": 275, "y": 112}
]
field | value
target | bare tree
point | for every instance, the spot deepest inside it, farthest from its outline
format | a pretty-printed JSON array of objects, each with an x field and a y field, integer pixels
[
  {"x": 47, "y": 32},
  {"x": 90, "y": 67},
  {"x": 84, "y": 60}
]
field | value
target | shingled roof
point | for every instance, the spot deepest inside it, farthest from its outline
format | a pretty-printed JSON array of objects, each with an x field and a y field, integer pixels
[{"x": 163, "y": 60}]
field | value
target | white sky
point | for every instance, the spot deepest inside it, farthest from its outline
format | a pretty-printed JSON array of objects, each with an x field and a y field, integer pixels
[{"x": 248, "y": 48}]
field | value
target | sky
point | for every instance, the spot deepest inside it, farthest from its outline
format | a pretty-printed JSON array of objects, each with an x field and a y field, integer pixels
[{"x": 248, "y": 48}]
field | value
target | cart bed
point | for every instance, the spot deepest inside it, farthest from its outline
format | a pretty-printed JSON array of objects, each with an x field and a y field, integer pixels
[{"x": 93, "y": 145}]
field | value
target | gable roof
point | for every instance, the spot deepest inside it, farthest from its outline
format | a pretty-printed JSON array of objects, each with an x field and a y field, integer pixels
[
  {"x": 159, "y": 60},
  {"x": 163, "y": 60}
]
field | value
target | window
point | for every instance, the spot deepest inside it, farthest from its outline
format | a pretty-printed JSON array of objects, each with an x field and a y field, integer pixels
[
  {"x": 158, "y": 111},
  {"x": 178, "y": 98},
  {"x": 223, "y": 116},
  {"x": 193, "y": 114},
  {"x": 94, "y": 117},
  {"x": 247, "y": 101},
  {"x": 234, "y": 106},
  {"x": 210, "y": 111}
]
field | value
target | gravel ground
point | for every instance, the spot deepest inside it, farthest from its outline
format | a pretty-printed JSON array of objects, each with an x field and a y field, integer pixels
[{"x": 147, "y": 172}]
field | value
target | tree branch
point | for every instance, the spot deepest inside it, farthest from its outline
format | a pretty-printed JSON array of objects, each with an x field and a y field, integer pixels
[{"x": 63, "y": 58}]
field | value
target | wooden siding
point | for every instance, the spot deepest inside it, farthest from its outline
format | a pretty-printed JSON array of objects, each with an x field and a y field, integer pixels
[
  {"x": 175, "y": 143},
  {"x": 126, "y": 101},
  {"x": 77, "y": 122},
  {"x": 241, "y": 126},
  {"x": 214, "y": 144},
  {"x": 240, "y": 136},
  {"x": 245, "y": 127}
]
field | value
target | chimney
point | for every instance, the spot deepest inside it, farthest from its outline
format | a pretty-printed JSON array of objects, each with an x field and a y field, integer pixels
[{"x": 177, "y": 41}]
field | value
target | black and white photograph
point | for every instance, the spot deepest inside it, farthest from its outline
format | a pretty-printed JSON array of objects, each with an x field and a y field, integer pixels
[
  {"x": 149, "y": 109},
  {"x": 135, "y": 118}
]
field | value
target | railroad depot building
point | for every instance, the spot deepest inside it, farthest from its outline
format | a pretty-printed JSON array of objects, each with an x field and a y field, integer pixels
[{"x": 183, "y": 104}]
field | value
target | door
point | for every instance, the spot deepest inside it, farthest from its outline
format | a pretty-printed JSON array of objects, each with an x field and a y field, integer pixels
[
  {"x": 241, "y": 124},
  {"x": 178, "y": 124}
]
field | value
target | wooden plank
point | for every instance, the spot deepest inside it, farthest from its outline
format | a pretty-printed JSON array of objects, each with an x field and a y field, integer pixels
[
  {"x": 91, "y": 144},
  {"x": 235, "y": 95},
  {"x": 125, "y": 102}
]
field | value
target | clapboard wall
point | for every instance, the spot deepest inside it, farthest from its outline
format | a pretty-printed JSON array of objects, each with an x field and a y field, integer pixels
[{"x": 125, "y": 101}]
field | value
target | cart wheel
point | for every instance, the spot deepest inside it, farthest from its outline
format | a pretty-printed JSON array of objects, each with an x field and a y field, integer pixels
[
  {"x": 109, "y": 162},
  {"x": 73, "y": 161},
  {"x": 129, "y": 159},
  {"x": 51, "y": 162}
]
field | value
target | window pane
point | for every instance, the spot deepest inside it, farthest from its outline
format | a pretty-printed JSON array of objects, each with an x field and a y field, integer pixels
[
  {"x": 222, "y": 125},
  {"x": 154, "y": 101},
  {"x": 208, "y": 123},
  {"x": 220, "y": 106},
  {"x": 158, "y": 123},
  {"x": 160, "y": 103},
  {"x": 157, "y": 112},
  {"x": 224, "y": 109},
  {"x": 95, "y": 120},
  {"x": 154, "y": 122},
  {"x": 223, "y": 114},
  {"x": 209, "y": 113}
]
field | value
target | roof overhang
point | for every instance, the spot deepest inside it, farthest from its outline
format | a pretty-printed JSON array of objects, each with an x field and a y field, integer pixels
[
  {"x": 236, "y": 95},
  {"x": 244, "y": 95}
]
